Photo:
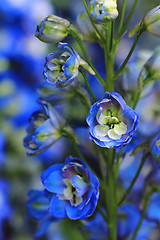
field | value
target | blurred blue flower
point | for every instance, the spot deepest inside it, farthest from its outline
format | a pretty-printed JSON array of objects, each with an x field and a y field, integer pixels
[
  {"x": 44, "y": 130},
  {"x": 155, "y": 148},
  {"x": 2, "y": 145},
  {"x": 96, "y": 227},
  {"x": 151, "y": 21},
  {"x": 73, "y": 189},
  {"x": 37, "y": 206},
  {"x": 5, "y": 207},
  {"x": 112, "y": 123},
  {"x": 61, "y": 66},
  {"x": 149, "y": 112},
  {"x": 128, "y": 219}
]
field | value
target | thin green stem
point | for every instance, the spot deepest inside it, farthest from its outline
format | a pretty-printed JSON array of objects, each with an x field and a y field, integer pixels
[
  {"x": 128, "y": 19},
  {"x": 134, "y": 180},
  {"x": 109, "y": 57},
  {"x": 87, "y": 84},
  {"x": 84, "y": 231},
  {"x": 146, "y": 203},
  {"x": 102, "y": 213},
  {"x": 137, "y": 97},
  {"x": 122, "y": 16},
  {"x": 99, "y": 78},
  {"x": 120, "y": 70},
  {"x": 95, "y": 27}
]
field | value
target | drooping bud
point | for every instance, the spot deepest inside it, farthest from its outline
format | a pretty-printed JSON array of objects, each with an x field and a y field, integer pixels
[
  {"x": 103, "y": 11},
  {"x": 152, "y": 21},
  {"x": 52, "y": 29}
]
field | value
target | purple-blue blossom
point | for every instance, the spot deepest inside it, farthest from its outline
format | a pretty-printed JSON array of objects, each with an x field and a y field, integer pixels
[
  {"x": 61, "y": 66},
  {"x": 44, "y": 129},
  {"x": 112, "y": 122},
  {"x": 72, "y": 188}
]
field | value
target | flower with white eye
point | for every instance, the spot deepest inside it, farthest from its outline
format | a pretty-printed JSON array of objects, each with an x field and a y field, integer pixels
[{"x": 112, "y": 123}]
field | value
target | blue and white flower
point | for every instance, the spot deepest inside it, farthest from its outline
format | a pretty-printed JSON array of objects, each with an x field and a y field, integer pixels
[
  {"x": 61, "y": 66},
  {"x": 72, "y": 188},
  {"x": 103, "y": 11},
  {"x": 44, "y": 130},
  {"x": 112, "y": 123}
]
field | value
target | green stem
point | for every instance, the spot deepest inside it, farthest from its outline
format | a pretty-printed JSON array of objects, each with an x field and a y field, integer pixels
[
  {"x": 87, "y": 84},
  {"x": 103, "y": 214},
  {"x": 134, "y": 179},
  {"x": 137, "y": 97},
  {"x": 122, "y": 16},
  {"x": 95, "y": 27},
  {"x": 99, "y": 78},
  {"x": 111, "y": 198},
  {"x": 127, "y": 20},
  {"x": 109, "y": 57},
  {"x": 120, "y": 70},
  {"x": 84, "y": 231},
  {"x": 146, "y": 203},
  {"x": 109, "y": 73}
]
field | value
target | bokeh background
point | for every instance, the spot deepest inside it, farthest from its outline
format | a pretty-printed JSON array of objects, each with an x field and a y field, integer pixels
[{"x": 22, "y": 58}]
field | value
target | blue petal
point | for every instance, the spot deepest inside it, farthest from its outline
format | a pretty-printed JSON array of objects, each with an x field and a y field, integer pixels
[
  {"x": 79, "y": 213},
  {"x": 79, "y": 184},
  {"x": 42, "y": 148},
  {"x": 57, "y": 207},
  {"x": 54, "y": 183},
  {"x": 51, "y": 169},
  {"x": 44, "y": 132}
]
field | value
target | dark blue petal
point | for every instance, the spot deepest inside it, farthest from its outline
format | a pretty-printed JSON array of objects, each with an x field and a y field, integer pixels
[
  {"x": 54, "y": 182},
  {"x": 49, "y": 170},
  {"x": 57, "y": 207}
]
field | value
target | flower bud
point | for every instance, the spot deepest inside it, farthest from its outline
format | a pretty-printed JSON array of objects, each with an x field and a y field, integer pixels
[
  {"x": 52, "y": 29},
  {"x": 103, "y": 11},
  {"x": 152, "y": 21},
  {"x": 151, "y": 69}
]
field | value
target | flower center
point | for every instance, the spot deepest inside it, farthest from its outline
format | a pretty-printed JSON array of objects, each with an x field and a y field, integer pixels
[{"x": 109, "y": 125}]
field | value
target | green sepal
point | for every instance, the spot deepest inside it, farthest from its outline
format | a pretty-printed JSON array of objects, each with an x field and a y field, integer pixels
[
  {"x": 87, "y": 67},
  {"x": 136, "y": 28}
]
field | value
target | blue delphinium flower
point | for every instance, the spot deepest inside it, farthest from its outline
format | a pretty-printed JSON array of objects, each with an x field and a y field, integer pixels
[
  {"x": 112, "y": 123},
  {"x": 43, "y": 130},
  {"x": 155, "y": 148},
  {"x": 72, "y": 188},
  {"x": 61, "y": 66}
]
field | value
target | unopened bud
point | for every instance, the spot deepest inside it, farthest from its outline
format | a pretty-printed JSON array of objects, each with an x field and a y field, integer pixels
[{"x": 52, "y": 29}]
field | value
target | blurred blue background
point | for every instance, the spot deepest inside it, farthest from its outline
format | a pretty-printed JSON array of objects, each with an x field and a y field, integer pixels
[{"x": 22, "y": 58}]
